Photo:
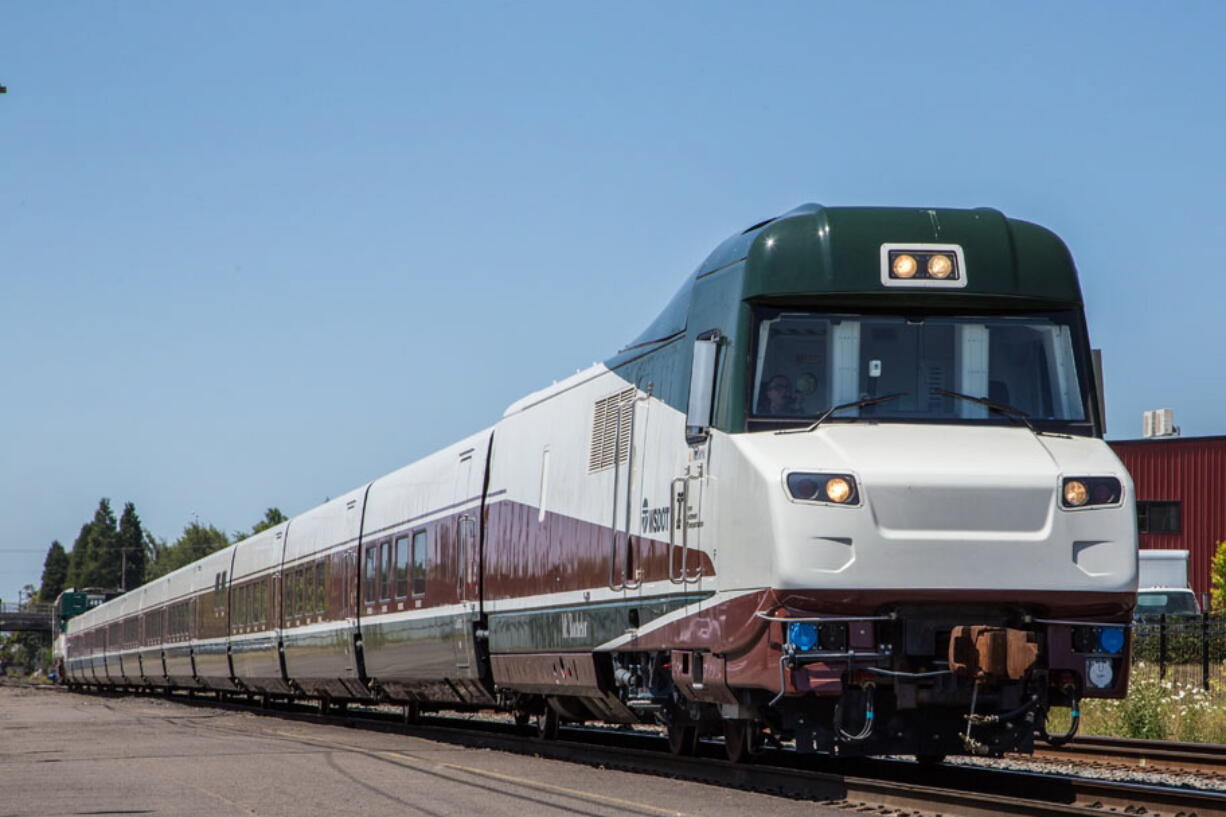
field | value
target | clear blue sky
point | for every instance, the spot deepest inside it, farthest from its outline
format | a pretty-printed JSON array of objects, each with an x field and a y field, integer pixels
[{"x": 256, "y": 254}]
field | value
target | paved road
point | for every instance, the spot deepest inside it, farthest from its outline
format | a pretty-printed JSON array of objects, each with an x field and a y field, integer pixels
[{"x": 65, "y": 754}]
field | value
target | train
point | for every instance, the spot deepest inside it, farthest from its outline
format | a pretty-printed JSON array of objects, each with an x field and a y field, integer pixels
[{"x": 848, "y": 493}]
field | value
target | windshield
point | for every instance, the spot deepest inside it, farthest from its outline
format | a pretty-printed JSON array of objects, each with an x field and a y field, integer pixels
[
  {"x": 1175, "y": 602},
  {"x": 806, "y": 362}
]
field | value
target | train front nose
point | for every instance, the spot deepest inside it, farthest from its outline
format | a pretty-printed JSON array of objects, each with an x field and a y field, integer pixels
[
  {"x": 936, "y": 507},
  {"x": 929, "y": 482}
]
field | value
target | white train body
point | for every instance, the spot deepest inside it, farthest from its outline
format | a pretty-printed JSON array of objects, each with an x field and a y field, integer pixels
[{"x": 686, "y": 534}]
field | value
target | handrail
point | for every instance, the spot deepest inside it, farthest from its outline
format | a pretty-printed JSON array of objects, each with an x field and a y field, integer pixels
[
  {"x": 823, "y": 619},
  {"x": 33, "y": 607},
  {"x": 682, "y": 576},
  {"x": 1123, "y": 626},
  {"x": 617, "y": 467},
  {"x": 624, "y": 583}
]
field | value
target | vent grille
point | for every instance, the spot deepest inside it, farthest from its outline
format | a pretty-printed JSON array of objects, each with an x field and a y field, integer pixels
[{"x": 611, "y": 418}]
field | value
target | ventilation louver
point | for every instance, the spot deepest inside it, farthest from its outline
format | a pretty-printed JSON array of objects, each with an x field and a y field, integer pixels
[{"x": 611, "y": 418}]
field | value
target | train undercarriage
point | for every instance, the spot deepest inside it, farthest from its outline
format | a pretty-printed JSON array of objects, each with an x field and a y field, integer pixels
[
  {"x": 927, "y": 685},
  {"x": 913, "y": 680}
]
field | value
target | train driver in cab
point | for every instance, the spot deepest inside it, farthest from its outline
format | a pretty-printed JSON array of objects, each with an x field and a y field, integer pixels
[{"x": 778, "y": 398}]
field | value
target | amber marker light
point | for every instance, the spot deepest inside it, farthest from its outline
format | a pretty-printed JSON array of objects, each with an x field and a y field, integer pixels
[
  {"x": 1075, "y": 493},
  {"x": 904, "y": 266},
  {"x": 939, "y": 266},
  {"x": 838, "y": 490}
]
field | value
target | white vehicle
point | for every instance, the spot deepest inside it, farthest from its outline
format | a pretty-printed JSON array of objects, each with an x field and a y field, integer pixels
[{"x": 1162, "y": 585}]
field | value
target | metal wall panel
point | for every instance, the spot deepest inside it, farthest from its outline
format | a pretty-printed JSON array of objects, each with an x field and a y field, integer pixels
[{"x": 1191, "y": 471}]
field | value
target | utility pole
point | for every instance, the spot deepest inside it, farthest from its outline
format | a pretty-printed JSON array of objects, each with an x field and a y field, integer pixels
[{"x": 123, "y": 567}]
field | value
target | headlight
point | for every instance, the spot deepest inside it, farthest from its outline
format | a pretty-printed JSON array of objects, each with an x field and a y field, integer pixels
[
  {"x": 939, "y": 266},
  {"x": 904, "y": 266},
  {"x": 1075, "y": 493},
  {"x": 838, "y": 489},
  {"x": 1083, "y": 492},
  {"x": 922, "y": 263}
]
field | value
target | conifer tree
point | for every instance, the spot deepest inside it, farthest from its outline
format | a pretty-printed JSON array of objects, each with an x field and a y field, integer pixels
[
  {"x": 131, "y": 545},
  {"x": 95, "y": 555},
  {"x": 79, "y": 559},
  {"x": 55, "y": 573}
]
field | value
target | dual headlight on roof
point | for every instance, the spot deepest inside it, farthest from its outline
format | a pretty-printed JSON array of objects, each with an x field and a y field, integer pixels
[{"x": 937, "y": 265}]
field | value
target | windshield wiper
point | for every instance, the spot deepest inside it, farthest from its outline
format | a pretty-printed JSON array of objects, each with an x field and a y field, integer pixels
[
  {"x": 1000, "y": 408},
  {"x": 870, "y": 401}
]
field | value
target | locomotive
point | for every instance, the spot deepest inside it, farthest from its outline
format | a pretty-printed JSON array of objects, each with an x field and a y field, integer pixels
[{"x": 847, "y": 492}]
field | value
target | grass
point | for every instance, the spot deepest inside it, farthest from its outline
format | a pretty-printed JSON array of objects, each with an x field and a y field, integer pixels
[{"x": 1174, "y": 708}]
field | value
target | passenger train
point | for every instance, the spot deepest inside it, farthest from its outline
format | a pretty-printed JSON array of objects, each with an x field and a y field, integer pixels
[{"x": 847, "y": 492}]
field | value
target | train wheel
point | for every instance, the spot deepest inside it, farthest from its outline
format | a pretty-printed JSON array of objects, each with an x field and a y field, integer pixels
[
  {"x": 522, "y": 719},
  {"x": 547, "y": 724},
  {"x": 682, "y": 738},
  {"x": 742, "y": 740},
  {"x": 412, "y": 712}
]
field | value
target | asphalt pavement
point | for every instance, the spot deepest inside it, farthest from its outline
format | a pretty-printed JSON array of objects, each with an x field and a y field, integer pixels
[{"x": 68, "y": 754}]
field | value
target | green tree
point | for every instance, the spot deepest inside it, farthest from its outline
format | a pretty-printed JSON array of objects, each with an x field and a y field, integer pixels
[
  {"x": 130, "y": 541},
  {"x": 95, "y": 555},
  {"x": 55, "y": 572},
  {"x": 272, "y": 518},
  {"x": 80, "y": 558},
  {"x": 196, "y": 542},
  {"x": 1217, "y": 577}
]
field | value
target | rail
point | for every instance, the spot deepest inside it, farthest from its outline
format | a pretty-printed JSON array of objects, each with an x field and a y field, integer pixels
[
  {"x": 32, "y": 607},
  {"x": 1137, "y": 753}
]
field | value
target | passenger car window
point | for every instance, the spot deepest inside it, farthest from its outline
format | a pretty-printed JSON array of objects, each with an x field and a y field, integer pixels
[
  {"x": 402, "y": 567},
  {"x": 321, "y": 588},
  {"x": 419, "y": 563},
  {"x": 371, "y": 574},
  {"x": 385, "y": 570}
]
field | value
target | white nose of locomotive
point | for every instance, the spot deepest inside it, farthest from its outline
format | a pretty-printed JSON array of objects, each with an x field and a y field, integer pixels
[
  {"x": 938, "y": 506},
  {"x": 933, "y": 483}
]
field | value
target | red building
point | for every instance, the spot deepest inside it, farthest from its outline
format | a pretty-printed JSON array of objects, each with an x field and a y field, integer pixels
[{"x": 1181, "y": 496}]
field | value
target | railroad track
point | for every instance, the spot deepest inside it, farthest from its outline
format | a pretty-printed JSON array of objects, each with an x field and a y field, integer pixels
[{"x": 1208, "y": 758}]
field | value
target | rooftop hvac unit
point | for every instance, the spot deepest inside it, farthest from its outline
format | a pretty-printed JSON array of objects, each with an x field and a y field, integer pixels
[{"x": 1159, "y": 423}]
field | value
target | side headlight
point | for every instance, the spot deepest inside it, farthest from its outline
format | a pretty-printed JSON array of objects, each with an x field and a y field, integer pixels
[
  {"x": 838, "y": 489},
  {"x": 1085, "y": 492}
]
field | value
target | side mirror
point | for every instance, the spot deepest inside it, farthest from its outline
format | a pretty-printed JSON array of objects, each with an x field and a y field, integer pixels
[
  {"x": 702, "y": 386},
  {"x": 1100, "y": 399}
]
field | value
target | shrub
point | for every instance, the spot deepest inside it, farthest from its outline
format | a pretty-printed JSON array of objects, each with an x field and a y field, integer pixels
[{"x": 1141, "y": 712}]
